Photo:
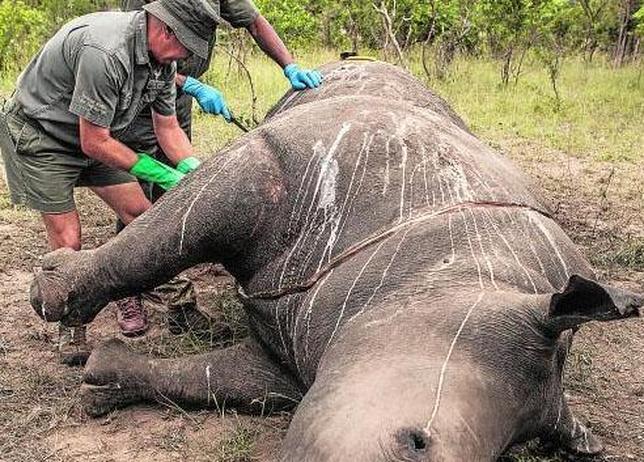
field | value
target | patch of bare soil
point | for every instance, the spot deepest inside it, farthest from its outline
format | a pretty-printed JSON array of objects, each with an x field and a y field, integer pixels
[{"x": 601, "y": 206}]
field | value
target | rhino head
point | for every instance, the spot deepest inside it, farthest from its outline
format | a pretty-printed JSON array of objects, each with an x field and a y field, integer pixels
[{"x": 432, "y": 387}]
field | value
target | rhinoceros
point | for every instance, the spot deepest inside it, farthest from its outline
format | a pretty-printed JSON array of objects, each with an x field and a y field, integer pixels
[{"x": 407, "y": 290}]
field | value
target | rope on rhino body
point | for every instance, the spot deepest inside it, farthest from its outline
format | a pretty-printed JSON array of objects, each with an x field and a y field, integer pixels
[{"x": 369, "y": 241}]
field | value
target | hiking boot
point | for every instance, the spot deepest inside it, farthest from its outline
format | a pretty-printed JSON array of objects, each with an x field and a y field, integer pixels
[
  {"x": 189, "y": 319},
  {"x": 72, "y": 345},
  {"x": 131, "y": 316}
]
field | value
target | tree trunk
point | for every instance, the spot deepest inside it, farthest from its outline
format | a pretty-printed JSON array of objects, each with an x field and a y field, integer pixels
[{"x": 624, "y": 44}]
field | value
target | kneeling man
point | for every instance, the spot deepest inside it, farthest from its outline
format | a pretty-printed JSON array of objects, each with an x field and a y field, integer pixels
[{"x": 77, "y": 98}]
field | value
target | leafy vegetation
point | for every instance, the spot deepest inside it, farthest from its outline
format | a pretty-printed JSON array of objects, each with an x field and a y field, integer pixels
[{"x": 503, "y": 29}]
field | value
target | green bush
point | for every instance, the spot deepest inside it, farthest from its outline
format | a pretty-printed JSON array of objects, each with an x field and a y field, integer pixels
[
  {"x": 22, "y": 31},
  {"x": 295, "y": 24}
]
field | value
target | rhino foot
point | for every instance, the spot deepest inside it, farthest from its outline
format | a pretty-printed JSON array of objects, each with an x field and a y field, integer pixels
[
  {"x": 113, "y": 378},
  {"x": 574, "y": 438},
  {"x": 50, "y": 288},
  {"x": 581, "y": 440},
  {"x": 56, "y": 287}
]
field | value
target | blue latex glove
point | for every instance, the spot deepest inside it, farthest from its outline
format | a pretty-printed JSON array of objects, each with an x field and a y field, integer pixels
[
  {"x": 210, "y": 99},
  {"x": 302, "y": 78}
]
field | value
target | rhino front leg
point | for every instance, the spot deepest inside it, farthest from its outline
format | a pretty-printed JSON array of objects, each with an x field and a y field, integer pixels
[
  {"x": 569, "y": 434},
  {"x": 216, "y": 214},
  {"x": 241, "y": 377}
]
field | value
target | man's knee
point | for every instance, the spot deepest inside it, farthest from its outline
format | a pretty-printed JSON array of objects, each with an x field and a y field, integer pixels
[
  {"x": 133, "y": 210},
  {"x": 63, "y": 230},
  {"x": 64, "y": 237}
]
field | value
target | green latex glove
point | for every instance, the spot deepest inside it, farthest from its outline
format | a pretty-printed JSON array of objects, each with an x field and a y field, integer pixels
[
  {"x": 149, "y": 169},
  {"x": 188, "y": 165}
]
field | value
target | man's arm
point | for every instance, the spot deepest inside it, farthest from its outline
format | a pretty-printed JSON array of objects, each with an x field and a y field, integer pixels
[
  {"x": 98, "y": 143},
  {"x": 210, "y": 99},
  {"x": 271, "y": 44},
  {"x": 172, "y": 139}
]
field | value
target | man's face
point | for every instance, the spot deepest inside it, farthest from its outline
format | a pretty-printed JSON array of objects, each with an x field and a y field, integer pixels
[{"x": 165, "y": 47}]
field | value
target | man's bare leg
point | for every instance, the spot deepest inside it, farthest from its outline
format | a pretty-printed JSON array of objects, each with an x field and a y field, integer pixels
[
  {"x": 126, "y": 199},
  {"x": 64, "y": 230}
]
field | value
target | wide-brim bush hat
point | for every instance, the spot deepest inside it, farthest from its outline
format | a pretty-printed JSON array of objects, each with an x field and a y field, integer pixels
[{"x": 192, "y": 21}]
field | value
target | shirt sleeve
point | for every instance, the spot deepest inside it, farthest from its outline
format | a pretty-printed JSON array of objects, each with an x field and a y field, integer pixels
[
  {"x": 165, "y": 102},
  {"x": 239, "y": 13},
  {"x": 96, "y": 87},
  {"x": 131, "y": 5}
]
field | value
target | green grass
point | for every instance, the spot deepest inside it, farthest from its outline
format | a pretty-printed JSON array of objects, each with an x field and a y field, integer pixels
[
  {"x": 599, "y": 116},
  {"x": 238, "y": 446}
]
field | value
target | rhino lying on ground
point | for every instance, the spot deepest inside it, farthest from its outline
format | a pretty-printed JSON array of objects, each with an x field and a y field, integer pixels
[{"x": 407, "y": 289}]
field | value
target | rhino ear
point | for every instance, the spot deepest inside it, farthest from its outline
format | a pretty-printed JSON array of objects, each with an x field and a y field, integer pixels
[{"x": 584, "y": 300}]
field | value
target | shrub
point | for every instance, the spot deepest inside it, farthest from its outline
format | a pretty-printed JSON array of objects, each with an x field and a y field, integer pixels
[{"x": 22, "y": 31}]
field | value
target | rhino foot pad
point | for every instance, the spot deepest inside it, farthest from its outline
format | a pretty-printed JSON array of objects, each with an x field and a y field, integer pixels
[
  {"x": 98, "y": 400},
  {"x": 110, "y": 378}
]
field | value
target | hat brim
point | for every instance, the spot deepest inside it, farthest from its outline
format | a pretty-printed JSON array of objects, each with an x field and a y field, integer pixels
[{"x": 186, "y": 37}]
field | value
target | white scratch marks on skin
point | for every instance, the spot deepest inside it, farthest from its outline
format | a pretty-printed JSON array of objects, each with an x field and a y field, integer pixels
[
  {"x": 290, "y": 98},
  {"x": 437, "y": 176},
  {"x": 309, "y": 313},
  {"x": 586, "y": 444},
  {"x": 384, "y": 273},
  {"x": 469, "y": 428},
  {"x": 514, "y": 255},
  {"x": 318, "y": 147},
  {"x": 230, "y": 159},
  {"x": 424, "y": 163},
  {"x": 325, "y": 189},
  {"x": 278, "y": 323},
  {"x": 474, "y": 257},
  {"x": 485, "y": 256},
  {"x": 346, "y": 299},
  {"x": 532, "y": 249},
  {"x": 441, "y": 377},
  {"x": 338, "y": 225},
  {"x": 386, "y": 179},
  {"x": 208, "y": 382},
  {"x": 536, "y": 219},
  {"x": 403, "y": 166},
  {"x": 346, "y": 209},
  {"x": 420, "y": 165}
]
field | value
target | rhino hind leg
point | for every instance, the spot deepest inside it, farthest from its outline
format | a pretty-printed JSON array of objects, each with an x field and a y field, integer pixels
[{"x": 242, "y": 376}]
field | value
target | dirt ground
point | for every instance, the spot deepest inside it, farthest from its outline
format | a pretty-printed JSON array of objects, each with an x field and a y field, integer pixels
[{"x": 601, "y": 205}]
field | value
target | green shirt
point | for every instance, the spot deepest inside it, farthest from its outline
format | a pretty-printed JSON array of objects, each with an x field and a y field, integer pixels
[
  {"x": 96, "y": 67},
  {"x": 239, "y": 13}
]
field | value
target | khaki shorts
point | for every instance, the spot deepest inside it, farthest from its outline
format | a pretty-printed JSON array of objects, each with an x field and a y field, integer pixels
[{"x": 43, "y": 173}]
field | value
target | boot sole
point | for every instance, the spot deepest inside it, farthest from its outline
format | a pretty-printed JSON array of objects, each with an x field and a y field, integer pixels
[
  {"x": 134, "y": 333},
  {"x": 77, "y": 359}
]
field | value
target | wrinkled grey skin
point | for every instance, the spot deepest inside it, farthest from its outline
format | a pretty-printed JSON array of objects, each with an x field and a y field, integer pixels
[{"x": 404, "y": 283}]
